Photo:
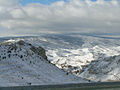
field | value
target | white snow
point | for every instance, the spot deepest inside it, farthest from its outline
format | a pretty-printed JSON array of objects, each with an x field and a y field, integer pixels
[
  {"x": 74, "y": 53},
  {"x": 107, "y": 69},
  {"x": 30, "y": 69},
  {"x": 77, "y": 53}
]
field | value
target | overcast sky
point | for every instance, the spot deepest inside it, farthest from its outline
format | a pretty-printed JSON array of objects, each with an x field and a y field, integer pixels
[{"x": 28, "y": 17}]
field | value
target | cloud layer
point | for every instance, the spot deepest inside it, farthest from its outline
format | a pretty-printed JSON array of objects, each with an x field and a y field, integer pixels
[{"x": 72, "y": 16}]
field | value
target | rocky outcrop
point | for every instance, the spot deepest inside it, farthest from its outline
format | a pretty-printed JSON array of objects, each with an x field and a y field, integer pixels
[
  {"x": 39, "y": 50},
  {"x": 19, "y": 45}
]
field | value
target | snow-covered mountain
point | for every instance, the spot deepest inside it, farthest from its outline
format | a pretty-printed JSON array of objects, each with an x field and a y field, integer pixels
[
  {"x": 75, "y": 53},
  {"x": 22, "y": 63},
  {"x": 107, "y": 69}
]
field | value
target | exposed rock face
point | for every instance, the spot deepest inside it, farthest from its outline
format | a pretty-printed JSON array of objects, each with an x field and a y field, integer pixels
[
  {"x": 39, "y": 50},
  {"x": 21, "y": 42},
  {"x": 18, "y": 45}
]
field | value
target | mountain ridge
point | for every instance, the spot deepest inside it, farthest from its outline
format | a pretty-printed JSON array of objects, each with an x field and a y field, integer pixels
[{"x": 22, "y": 63}]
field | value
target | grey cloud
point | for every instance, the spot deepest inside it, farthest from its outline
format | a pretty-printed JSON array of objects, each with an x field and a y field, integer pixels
[{"x": 75, "y": 15}]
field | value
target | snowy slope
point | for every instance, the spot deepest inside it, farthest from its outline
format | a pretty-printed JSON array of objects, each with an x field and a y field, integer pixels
[
  {"x": 74, "y": 53},
  {"x": 24, "y": 64},
  {"x": 107, "y": 69}
]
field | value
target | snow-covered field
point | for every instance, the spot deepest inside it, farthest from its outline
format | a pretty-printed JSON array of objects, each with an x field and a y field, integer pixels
[{"x": 75, "y": 54}]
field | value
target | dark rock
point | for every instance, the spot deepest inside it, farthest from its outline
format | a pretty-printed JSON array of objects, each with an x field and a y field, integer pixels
[
  {"x": 39, "y": 50},
  {"x": 21, "y": 42}
]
